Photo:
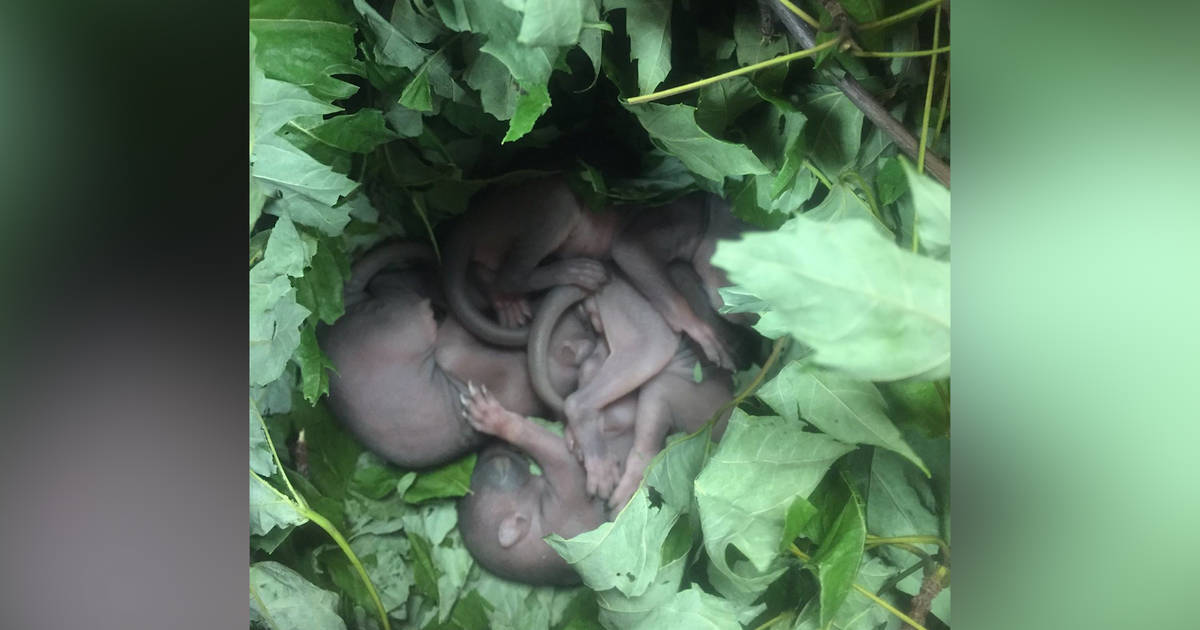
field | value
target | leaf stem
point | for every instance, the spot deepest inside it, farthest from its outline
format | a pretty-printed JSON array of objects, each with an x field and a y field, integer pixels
[
  {"x": 900, "y": 17},
  {"x": 687, "y": 87},
  {"x": 908, "y": 53},
  {"x": 915, "y": 540},
  {"x": 817, "y": 172},
  {"x": 419, "y": 206},
  {"x": 886, "y": 606},
  {"x": 278, "y": 464},
  {"x": 801, "y": 14},
  {"x": 945, "y": 100},
  {"x": 937, "y": 29},
  {"x": 772, "y": 621},
  {"x": 337, "y": 537}
]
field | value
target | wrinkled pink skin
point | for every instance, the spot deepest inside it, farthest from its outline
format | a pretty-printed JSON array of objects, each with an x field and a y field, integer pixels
[
  {"x": 510, "y": 510},
  {"x": 636, "y": 385},
  {"x": 537, "y": 234},
  {"x": 393, "y": 384}
]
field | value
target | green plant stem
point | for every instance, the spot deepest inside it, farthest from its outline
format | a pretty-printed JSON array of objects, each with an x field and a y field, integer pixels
[
  {"x": 337, "y": 537},
  {"x": 912, "y": 540},
  {"x": 278, "y": 464},
  {"x": 937, "y": 29},
  {"x": 817, "y": 172},
  {"x": 913, "y": 549},
  {"x": 772, "y": 621},
  {"x": 419, "y": 206},
  {"x": 872, "y": 204},
  {"x": 858, "y": 587},
  {"x": 909, "y": 53},
  {"x": 896, "y": 579},
  {"x": 801, "y": 14},
  {"x": 945, "y": 100},
  {"x": 888, "y": 607},
  {"x": 687, "y": 87},
  {"x": 900, "y": 17}
]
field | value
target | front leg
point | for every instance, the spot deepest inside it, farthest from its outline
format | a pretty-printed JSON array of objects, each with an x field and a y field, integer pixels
[
  {"x": 650, "y": 429},
  {"x": 649, "y": 275},
  {"x": 487, "y": 415},
  {"x": 640, "y": 346}
]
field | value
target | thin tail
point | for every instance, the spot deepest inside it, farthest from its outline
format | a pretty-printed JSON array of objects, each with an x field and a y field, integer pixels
[
  {"x": 551, "y": 310},
  {"x": 454, "y": 278},
  {"x": 376, "y": 260}
]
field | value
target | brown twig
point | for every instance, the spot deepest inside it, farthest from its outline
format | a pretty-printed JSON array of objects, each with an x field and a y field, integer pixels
[{"x": 863, "y": 99}]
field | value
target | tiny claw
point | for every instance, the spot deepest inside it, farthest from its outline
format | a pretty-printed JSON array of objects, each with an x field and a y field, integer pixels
[
  {"x": 483, "y": 387},
  {"x": 464, "y": 400},
  {"x": 471, "y": 387}
]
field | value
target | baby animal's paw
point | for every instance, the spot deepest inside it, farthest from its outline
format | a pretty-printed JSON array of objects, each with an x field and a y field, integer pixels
[{"x": 483, "y": 412}]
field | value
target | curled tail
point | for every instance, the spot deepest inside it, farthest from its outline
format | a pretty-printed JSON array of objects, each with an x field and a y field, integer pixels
[
  {"x": 376, "y": 260},
  {"x": 551, "y": 310},
  {"x": 454, "y": 279}
]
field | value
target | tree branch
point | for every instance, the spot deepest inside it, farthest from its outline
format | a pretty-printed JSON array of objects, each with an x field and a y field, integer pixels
[{"x": 864, "y": 100}]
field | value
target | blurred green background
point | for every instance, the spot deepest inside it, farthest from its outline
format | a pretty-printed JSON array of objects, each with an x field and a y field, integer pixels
[{"x": 1075, "y": 300}]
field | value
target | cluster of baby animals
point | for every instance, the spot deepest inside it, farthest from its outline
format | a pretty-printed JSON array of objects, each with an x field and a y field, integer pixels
[{"x": 605, "y": 320}]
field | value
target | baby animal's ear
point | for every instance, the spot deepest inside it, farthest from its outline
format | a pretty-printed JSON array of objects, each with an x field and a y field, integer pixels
[{"x": 512, "y": 529}]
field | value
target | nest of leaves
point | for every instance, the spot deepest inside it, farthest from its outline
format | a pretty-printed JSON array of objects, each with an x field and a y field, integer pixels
[{"x": 827, "y": 502}]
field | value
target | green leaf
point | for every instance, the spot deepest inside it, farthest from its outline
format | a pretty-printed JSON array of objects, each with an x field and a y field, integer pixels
[
  {"x": 846, "y": 409},
  {"x": 283, "y": 600},
  {"x": 307, "y": 211},
  {"x": 626, "y": 553},
  {"x": 836, "y": 560},
  {"x": 674, "y": 129},
  {"x": 359, "y": 132},
  {"x": 416, "y": 95},
  {"x": 866, "y": 307},
  {"x": 270, "y": 509},
  {"x": 320, "y": 289},
  {"x": 919, "y": 404},
  {"x": 891, "y": 181},
  {"x": 413, "y": 24},
  {"x": 798, "y": 515},
  {"x": 752, "y": 47},
  {"x": 842, "y": 204},
  {"x": 932, "y": 203},
  {"x": 390, "y": 45},
  {"x": 280, "y": 164},
  {"x": 425, "y": 575},
  {"x": 551, "y": 22},
  {"x": 451, "y": 480},
  {"x": 498, "y": 91},
  {"x": 591, "y": 41},
  {"x": 857, "y": 612},
  {"x": 648, "y": 23},
  {"x": 307, "y": 53},
  {"x": 275, "y": 317},
  {"x": 689, "y": 610},
  {"x": 899, "y": 503},
  {"x": 834, "y": 130},
  {"x": 274, "y": 103},
  {"x": 530, "y": 106},
  {"x": 261, "y": 460},
  {"x": 720, "y": 103},
  {"x": 620, "y": 611},
  {"x": 314, "y": 365},
  {"x": 317, "y": 10},
  {"x": 500, "y": 26},
  {"x": 760, "y": 467}
]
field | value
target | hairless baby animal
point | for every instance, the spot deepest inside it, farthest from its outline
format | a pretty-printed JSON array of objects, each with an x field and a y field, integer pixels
[
  {"x": 510, "y": 510},
  {"x": 508, "y": 233},
  {"x": 398, "y": 372},
  {"x": 635, "y": 379}
]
